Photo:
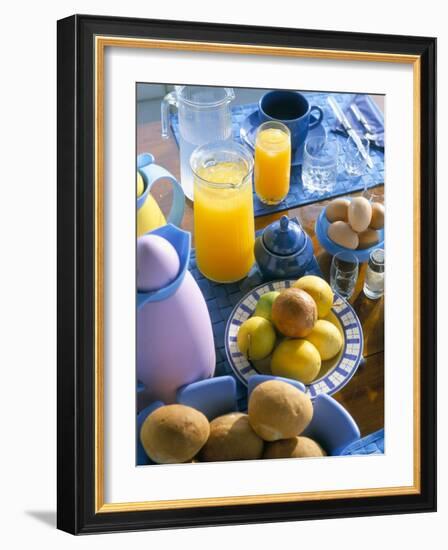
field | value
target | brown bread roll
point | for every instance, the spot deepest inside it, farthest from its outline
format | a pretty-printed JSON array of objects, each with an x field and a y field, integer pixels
[
  {"x": 278, "y": 410},
  {"x": 297, "y": 447},
  {"x": 174, "y": 433},
  {"x": 232, "y": 438}
]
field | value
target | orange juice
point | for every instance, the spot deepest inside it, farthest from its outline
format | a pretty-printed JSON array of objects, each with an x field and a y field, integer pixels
[
  {"x": 224, "y": 220},
  {"x": 272, "y": 162}
]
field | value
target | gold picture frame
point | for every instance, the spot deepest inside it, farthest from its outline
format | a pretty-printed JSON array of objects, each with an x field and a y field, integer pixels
[{"x": 96, "y": 35}]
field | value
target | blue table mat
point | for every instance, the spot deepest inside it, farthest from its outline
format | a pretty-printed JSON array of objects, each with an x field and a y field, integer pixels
[
  {"x": 297, "y": 195},
  {"x": 372, "y": 444},
  {"x": 221, "y": 300}
]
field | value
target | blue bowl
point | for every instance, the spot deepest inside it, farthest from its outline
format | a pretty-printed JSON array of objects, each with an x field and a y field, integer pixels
[
  {"x": 331, "y": 426},
  {"x": 321, "y": 229}
]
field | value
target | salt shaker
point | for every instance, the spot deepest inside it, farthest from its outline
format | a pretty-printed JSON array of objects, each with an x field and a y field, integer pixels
[{"x": 374, "y": 280}]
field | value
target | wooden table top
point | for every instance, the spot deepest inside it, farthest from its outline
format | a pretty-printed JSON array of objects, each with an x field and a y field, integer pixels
[{"x": 363, "y": 396}]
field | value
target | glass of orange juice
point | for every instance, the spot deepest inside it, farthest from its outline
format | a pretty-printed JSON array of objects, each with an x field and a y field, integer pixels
[
  {"x": 272, "y": 162},
  {"x": 223, "y": 210}
]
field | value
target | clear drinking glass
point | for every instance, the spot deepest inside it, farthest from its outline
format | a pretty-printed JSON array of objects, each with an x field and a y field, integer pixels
[
  {"x": 344, "y": 273},
  {"x": 320, "y": 164},
  {"x": 272, "y": 162},
  {"x": 374, "y": 194},
  {"x": 354, "y": 163},
  {"x": 374, "y": 280}
]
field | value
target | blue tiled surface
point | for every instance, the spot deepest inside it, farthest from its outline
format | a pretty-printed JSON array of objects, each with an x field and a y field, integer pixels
[
  {"x": 297, "y": 195},
  {"x": 372, "y": 444},
  {"x": 221, "y": 299}
]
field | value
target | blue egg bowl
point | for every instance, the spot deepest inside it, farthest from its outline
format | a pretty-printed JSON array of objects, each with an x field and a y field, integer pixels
[
  {"x": 331, "y": 426},
  {"x": 321, "y": 230}
]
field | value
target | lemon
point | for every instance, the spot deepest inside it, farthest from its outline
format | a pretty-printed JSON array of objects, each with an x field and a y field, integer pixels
[
  {"x": 297, "y": 359},
  {"x": 319, "y": 290},
  {"x": 264, "y": 305},
  {"x": 140, "y": 184},
  {"x": 326, "y": 338},
  {"x": 256, "y": 338}
]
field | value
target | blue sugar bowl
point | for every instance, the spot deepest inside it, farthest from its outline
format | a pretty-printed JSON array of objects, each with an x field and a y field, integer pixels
[{"x": 284, "y": 250}]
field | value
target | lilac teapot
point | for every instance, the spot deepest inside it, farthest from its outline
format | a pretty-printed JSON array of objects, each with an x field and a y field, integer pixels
[{"x": 175, "y": 343}]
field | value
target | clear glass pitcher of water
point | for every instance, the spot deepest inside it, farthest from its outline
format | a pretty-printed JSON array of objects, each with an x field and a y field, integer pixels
[{"x": 204, "y": 117}]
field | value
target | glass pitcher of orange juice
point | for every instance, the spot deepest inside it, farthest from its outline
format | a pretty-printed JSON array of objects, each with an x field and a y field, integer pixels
[
  {"x": 223, "y": 210},
  {"x": 272, "y": 162}
]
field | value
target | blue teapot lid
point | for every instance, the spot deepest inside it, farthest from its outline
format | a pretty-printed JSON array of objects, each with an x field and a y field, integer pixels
[{"x": 284, "y": 237}]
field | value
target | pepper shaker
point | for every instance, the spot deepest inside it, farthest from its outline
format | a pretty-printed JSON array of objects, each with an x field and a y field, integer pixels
[{"x": 374, "y": 280}]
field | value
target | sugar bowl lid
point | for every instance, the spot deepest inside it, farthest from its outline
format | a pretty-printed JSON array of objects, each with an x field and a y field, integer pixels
[{"x": 284, "y": 237}]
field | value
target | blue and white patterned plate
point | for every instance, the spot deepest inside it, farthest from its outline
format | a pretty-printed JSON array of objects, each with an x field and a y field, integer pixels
[{"x": 335, "y": 373}]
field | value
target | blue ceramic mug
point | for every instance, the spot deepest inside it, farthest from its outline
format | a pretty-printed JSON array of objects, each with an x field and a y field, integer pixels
[{"x": 293, "y": 109}]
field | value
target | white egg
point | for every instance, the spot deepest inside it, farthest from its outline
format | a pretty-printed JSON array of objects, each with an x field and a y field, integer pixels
[
  {"x": 377, "y": 221},
  {"x": 337, "y": 210},
  {"x": 367, "y": 238},
  {"x": 341, "y": 233},
  {"x": 359, "y": 214}
]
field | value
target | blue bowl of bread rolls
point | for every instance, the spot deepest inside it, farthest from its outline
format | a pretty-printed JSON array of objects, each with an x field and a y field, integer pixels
[{"x": 204, "y": 425}]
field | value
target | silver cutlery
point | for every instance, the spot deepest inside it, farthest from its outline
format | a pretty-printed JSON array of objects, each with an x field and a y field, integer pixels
[
  {"x": 369, "y": 130},
  {"x": 343, "y": 120}
]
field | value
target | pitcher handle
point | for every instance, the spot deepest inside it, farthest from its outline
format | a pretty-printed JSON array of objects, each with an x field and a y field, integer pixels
[
  {"x": 151, "y": 173},
  {"x": 168, "y": 101}
]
